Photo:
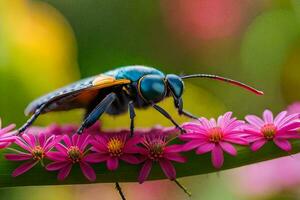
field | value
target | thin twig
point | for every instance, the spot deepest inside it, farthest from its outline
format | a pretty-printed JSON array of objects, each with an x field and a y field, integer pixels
[
  {"x": 186, "y": 191},
  {"x": 118, "y": 187}
]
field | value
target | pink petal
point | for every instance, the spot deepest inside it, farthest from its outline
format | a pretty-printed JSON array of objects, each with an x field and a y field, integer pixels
[
  {"x": 168, "y": 168},
  {"x": 64, "y": 172},
  {"x": 8, "y": 139},
  {"x": 96, "y": 157},
  {"x": 83, "y": 142},
  {"x": 238, "y": 140},
  {"x": 258, "y": 144},
  {"x": 51, "y": 142},
  {"x": 205, "y": 123},
  {"x": 88, "y": 171},
  {"x": 130, "y": 159},
  {"x": 287, "y": 119},
  {"x": 192, "y": 145},
  {"x": 205, "y": 148},
  {"x": 255, "y": 121},
  {"x": 288, "y": 135},
  {"x": 4, "y": 145},
  {"x": 173, "y": 148},
  {"x": 42, "y": 139},
  {"x": 67, "y": 140},
  {"x": 24, "y": 168},
  {"x": 145, "y": 171},
  {"x": 135, "y": 149},
  {"x": 133, "y": 141},
  {"x": 191, "y": 136},
  {"x": 229, "y": 148},
  {"x": 217, "y": 157},
  {"x": 7, "y": 129},
  {"x": 194, "y": 127},
  {"x": 268, "y": 116},
  {"x": 61, "y": 148},
  {"x": 18, "y": 157},
  {"x": 76, "y": 139},
  {"x": 280, "y": 117},
  {"x": 283, "y": 144},
  {"x": 175, "y": 157},
  {"x": 22, "y": 144},
  {"x": 289, "y": 126},
  {"x": 56, "y": 156},
  {"x": 112, "y": 163},
  {"x": 57, "y": 165}
]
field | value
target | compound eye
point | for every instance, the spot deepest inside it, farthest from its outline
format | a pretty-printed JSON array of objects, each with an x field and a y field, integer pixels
[
  {"x": 176, "y": 85},
  {"x": 152, "y": 88}
]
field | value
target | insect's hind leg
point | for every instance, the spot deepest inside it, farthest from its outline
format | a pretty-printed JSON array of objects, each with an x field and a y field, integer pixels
[
  {"x": 96, "y": 113},
  {"x": 32, "y": 118},
  {"x": 132, "y": 116}
]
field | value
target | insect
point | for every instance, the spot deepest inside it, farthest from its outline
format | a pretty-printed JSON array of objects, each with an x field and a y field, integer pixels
[{"x": 117, "y": 91}]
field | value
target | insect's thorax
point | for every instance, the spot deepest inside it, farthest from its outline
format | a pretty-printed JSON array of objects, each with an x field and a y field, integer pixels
[{"x": 133, "y": 73}]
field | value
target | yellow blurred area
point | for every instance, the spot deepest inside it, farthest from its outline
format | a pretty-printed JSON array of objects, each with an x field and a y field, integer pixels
[{"x": 39, "y": 45}]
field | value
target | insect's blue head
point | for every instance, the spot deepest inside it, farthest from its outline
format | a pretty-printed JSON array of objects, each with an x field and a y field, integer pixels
[
  {"x": 175, "y": 85},
  {"x": 152, "y": 88}
]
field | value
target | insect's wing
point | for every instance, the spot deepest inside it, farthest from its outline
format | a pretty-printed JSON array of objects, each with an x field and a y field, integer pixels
[{"x": 75, "y": 95}]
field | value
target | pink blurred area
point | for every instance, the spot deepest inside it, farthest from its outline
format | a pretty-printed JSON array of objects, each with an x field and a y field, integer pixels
[
  {"x": 147, "y": 191},
  {"x": 267, "y": 177},
  {"x": 206, "y": 19}
]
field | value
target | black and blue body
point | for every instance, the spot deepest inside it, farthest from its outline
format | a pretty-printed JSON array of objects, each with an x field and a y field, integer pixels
[{"x": 118, "y": 91}]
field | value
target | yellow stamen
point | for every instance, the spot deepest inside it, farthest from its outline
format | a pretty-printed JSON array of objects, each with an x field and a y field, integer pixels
[
  {"x": 38, "y": 153},
  {"x": 215, "y": 134},
  {"x": 115, "y": 146},
  {"x": 74, "y": 154},
  {"x": 269, "y": 130}
]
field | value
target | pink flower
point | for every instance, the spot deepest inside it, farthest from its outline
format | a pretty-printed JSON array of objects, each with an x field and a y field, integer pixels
[
  {"x": 214, "y": 137},
  {"x": 7, "y": 136},
  {"x": 37, "y": 147},
  {"x": 155, "y": 149},
  {"x": 112, "y": 147},
  {"x": 278, "y": 130},
  {"x": 73, "y": 151}
]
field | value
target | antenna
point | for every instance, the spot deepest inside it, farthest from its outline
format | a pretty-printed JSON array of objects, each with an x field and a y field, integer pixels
[{"x": 220, "y": 78}]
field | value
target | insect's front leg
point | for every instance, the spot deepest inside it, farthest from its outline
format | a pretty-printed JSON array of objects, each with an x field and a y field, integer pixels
[
  {"x": 181, "y": 111},
  {"x": 97, "y": 112},
  {"x": 132, "y": 116},
  {"x": 167, "y": 115}
]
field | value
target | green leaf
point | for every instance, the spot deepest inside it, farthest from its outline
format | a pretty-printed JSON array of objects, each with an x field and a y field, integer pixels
[{"x": 196, "y": 165}]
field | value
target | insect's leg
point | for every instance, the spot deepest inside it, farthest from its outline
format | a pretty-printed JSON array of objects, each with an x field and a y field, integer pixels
[
  {"x": 167, "y": 115},
  {"x": 118, "y": 187},
  {"x": 132, "y": 116},
  {"x": 181, "y": 111},
  {"x": 37, "y": 112},
  {"x": 185, "y": 190},
  {"x": 97, "y": 112},
  {"x": 187, "y": 114}
]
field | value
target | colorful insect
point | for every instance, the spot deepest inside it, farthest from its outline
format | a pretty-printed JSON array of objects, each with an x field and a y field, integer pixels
[{"x": 117, "y": 91}]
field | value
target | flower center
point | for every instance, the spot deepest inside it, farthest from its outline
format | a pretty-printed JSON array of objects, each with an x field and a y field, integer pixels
[
  {"x": 215, "y": 134},
  {"x": 74, "y": 154},
  {"x": 269, "y": 130},
  {"x": 115, "y": 146},
  {"x": 156, "y": 149},
  {"x": 38, "y": 153}
]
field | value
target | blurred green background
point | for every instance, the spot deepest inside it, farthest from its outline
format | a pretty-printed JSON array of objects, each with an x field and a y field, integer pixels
[{"x": 47, "y": 44}]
